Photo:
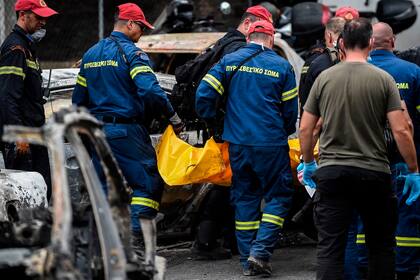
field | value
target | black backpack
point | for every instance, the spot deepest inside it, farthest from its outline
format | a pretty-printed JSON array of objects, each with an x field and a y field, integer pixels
[
  {"x": 194, "y": 70},
  {"x": 189, "y": 75}
]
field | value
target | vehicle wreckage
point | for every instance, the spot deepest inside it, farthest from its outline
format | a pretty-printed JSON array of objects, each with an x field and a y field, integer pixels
[{"x": 85, "y": 237}]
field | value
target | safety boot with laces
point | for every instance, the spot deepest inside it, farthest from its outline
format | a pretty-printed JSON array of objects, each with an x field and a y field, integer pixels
[
  {"x": 249, "y": 272},
  {"x": 261, "y": 267}
]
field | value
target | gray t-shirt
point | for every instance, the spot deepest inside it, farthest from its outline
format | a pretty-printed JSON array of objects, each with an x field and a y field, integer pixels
[{"x": 353, "y": 99}]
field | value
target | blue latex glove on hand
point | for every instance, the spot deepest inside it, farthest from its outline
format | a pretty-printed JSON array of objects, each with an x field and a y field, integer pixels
[
  {"x": 308, "y": 171},
  {"x": 412, "y": 185}
]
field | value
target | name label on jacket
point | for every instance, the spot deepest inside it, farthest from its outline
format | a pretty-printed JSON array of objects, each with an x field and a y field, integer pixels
[
  {"x": 254, "y": 70},
  {"x": 403, "y": 86},
  {"x": 102, "y": 63}
]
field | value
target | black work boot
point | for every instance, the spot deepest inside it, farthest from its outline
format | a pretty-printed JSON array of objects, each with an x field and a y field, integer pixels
[
  {"x": 203, "y": 252},
  {"x": 260, "y": 267},
  {"x": 249, "y": 272}
]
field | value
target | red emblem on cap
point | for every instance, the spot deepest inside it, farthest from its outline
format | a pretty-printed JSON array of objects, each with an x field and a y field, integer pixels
[{"x": 38, "y": 7}]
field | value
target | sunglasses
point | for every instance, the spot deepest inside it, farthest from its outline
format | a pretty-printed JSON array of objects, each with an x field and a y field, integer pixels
[
  {"x": 141, "y": 25},
  {"x": 37, "y": 17}
]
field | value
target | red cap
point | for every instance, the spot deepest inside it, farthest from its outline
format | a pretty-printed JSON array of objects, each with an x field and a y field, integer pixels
[
  {"x": 261, "y": 26},
  {"x": 130, "y": 11},
  {"x": 348, "y": 13},
  {"x": 38, "y": 7},
  {"x": 261, "y": 12}
]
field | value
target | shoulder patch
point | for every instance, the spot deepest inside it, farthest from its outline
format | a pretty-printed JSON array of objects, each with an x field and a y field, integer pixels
[
  {"x": 142, "y": 55},
  {"x": 13, "y": 48},
  {"x": 18, "y": 47}
]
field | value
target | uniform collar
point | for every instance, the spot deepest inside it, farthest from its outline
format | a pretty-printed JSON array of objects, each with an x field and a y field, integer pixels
[
  {"x": 120, "y": 35},
  {"x": 19, "y": 30},
  {"x": 237, "y": 33},
  {"x": 381, "y": 53}
]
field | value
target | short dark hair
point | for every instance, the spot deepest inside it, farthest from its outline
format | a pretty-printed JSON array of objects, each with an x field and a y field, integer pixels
[
  {"x": 357, "y": 33},
  {"x": 116, "y": 15},
  {"x": 251, "y": 17},
  {"x": 26, "y": 12}
]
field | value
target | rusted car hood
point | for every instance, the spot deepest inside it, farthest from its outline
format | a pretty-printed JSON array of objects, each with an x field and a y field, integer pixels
[
  {"x": 199, "y": 42},
  {"x": 179, "y": 42}
]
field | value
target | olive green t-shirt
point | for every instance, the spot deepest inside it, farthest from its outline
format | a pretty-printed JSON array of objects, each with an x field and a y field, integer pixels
[{"x": 353, "y": 99}]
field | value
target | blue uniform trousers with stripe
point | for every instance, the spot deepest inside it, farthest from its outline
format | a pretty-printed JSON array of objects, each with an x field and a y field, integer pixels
[
  {"x": 407, "y": 235},
  {"x": 259, "y": 173},
  {"x": 136, "y": 157}
]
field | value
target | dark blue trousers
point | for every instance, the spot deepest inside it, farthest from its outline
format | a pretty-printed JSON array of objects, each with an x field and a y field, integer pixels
[
  {"x": 407, "y": 234},
  {"x": 136, "y": 157},
  {"x": 259, "y": 173}
]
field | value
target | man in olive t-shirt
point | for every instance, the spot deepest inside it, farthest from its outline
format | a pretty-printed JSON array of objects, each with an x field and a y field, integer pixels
[
  {"x": 354, "y": 116},
  {"x": 355, "y": 99}
]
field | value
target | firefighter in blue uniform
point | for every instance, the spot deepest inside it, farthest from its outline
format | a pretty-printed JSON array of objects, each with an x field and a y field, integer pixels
[
  {"x": 407, "y": 77},
  {"x": 261, "y": 111},
  {"x": 21, "y": 95},
  {"x": 118, "y": 86}
]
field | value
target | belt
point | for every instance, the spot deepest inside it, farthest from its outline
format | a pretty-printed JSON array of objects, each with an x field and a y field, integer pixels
[{"x": 122, "y": 120}]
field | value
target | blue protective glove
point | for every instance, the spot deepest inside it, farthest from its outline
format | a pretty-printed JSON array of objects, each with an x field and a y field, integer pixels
[
  {"x": 411, "y": 186},
  {"x": 308, "y": 171}
]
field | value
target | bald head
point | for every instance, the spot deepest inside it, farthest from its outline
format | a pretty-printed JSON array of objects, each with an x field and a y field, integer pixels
[{"x": 383, "y": 36}]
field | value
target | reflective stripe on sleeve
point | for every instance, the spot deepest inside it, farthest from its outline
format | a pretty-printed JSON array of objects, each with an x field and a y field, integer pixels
[
  {"x": 251, "y": 225},
  {"x": 305, "y": 69},
  {"x": 81, "y": 81},
  {"x": 418, "y": 108},
  {"x": 12, "y": 70},
  {"x": 140, "y": 69},
  {"x": 32, "y": 64},
  {"x": 268, "y": 218},
  {"x": 285, "y": 96},
  {"x": 215, "y": 83},
  {"x": 145, "y": 202}
]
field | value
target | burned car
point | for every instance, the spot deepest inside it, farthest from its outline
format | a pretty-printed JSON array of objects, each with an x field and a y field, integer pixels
[{"x": 75, "y": 239}]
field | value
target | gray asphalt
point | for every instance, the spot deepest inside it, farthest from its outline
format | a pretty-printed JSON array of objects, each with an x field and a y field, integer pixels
[{"x": 292, "y": 263}]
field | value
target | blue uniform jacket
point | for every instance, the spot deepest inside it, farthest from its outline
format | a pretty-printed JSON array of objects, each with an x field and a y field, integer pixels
[
  {"x": 407, "y": 77},
  {"x": 110, "y": 86},
  {"x": 262, "y": 106}
]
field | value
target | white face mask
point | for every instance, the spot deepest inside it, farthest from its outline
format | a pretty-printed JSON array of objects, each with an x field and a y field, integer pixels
[{"x": 38, "y": 35}]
